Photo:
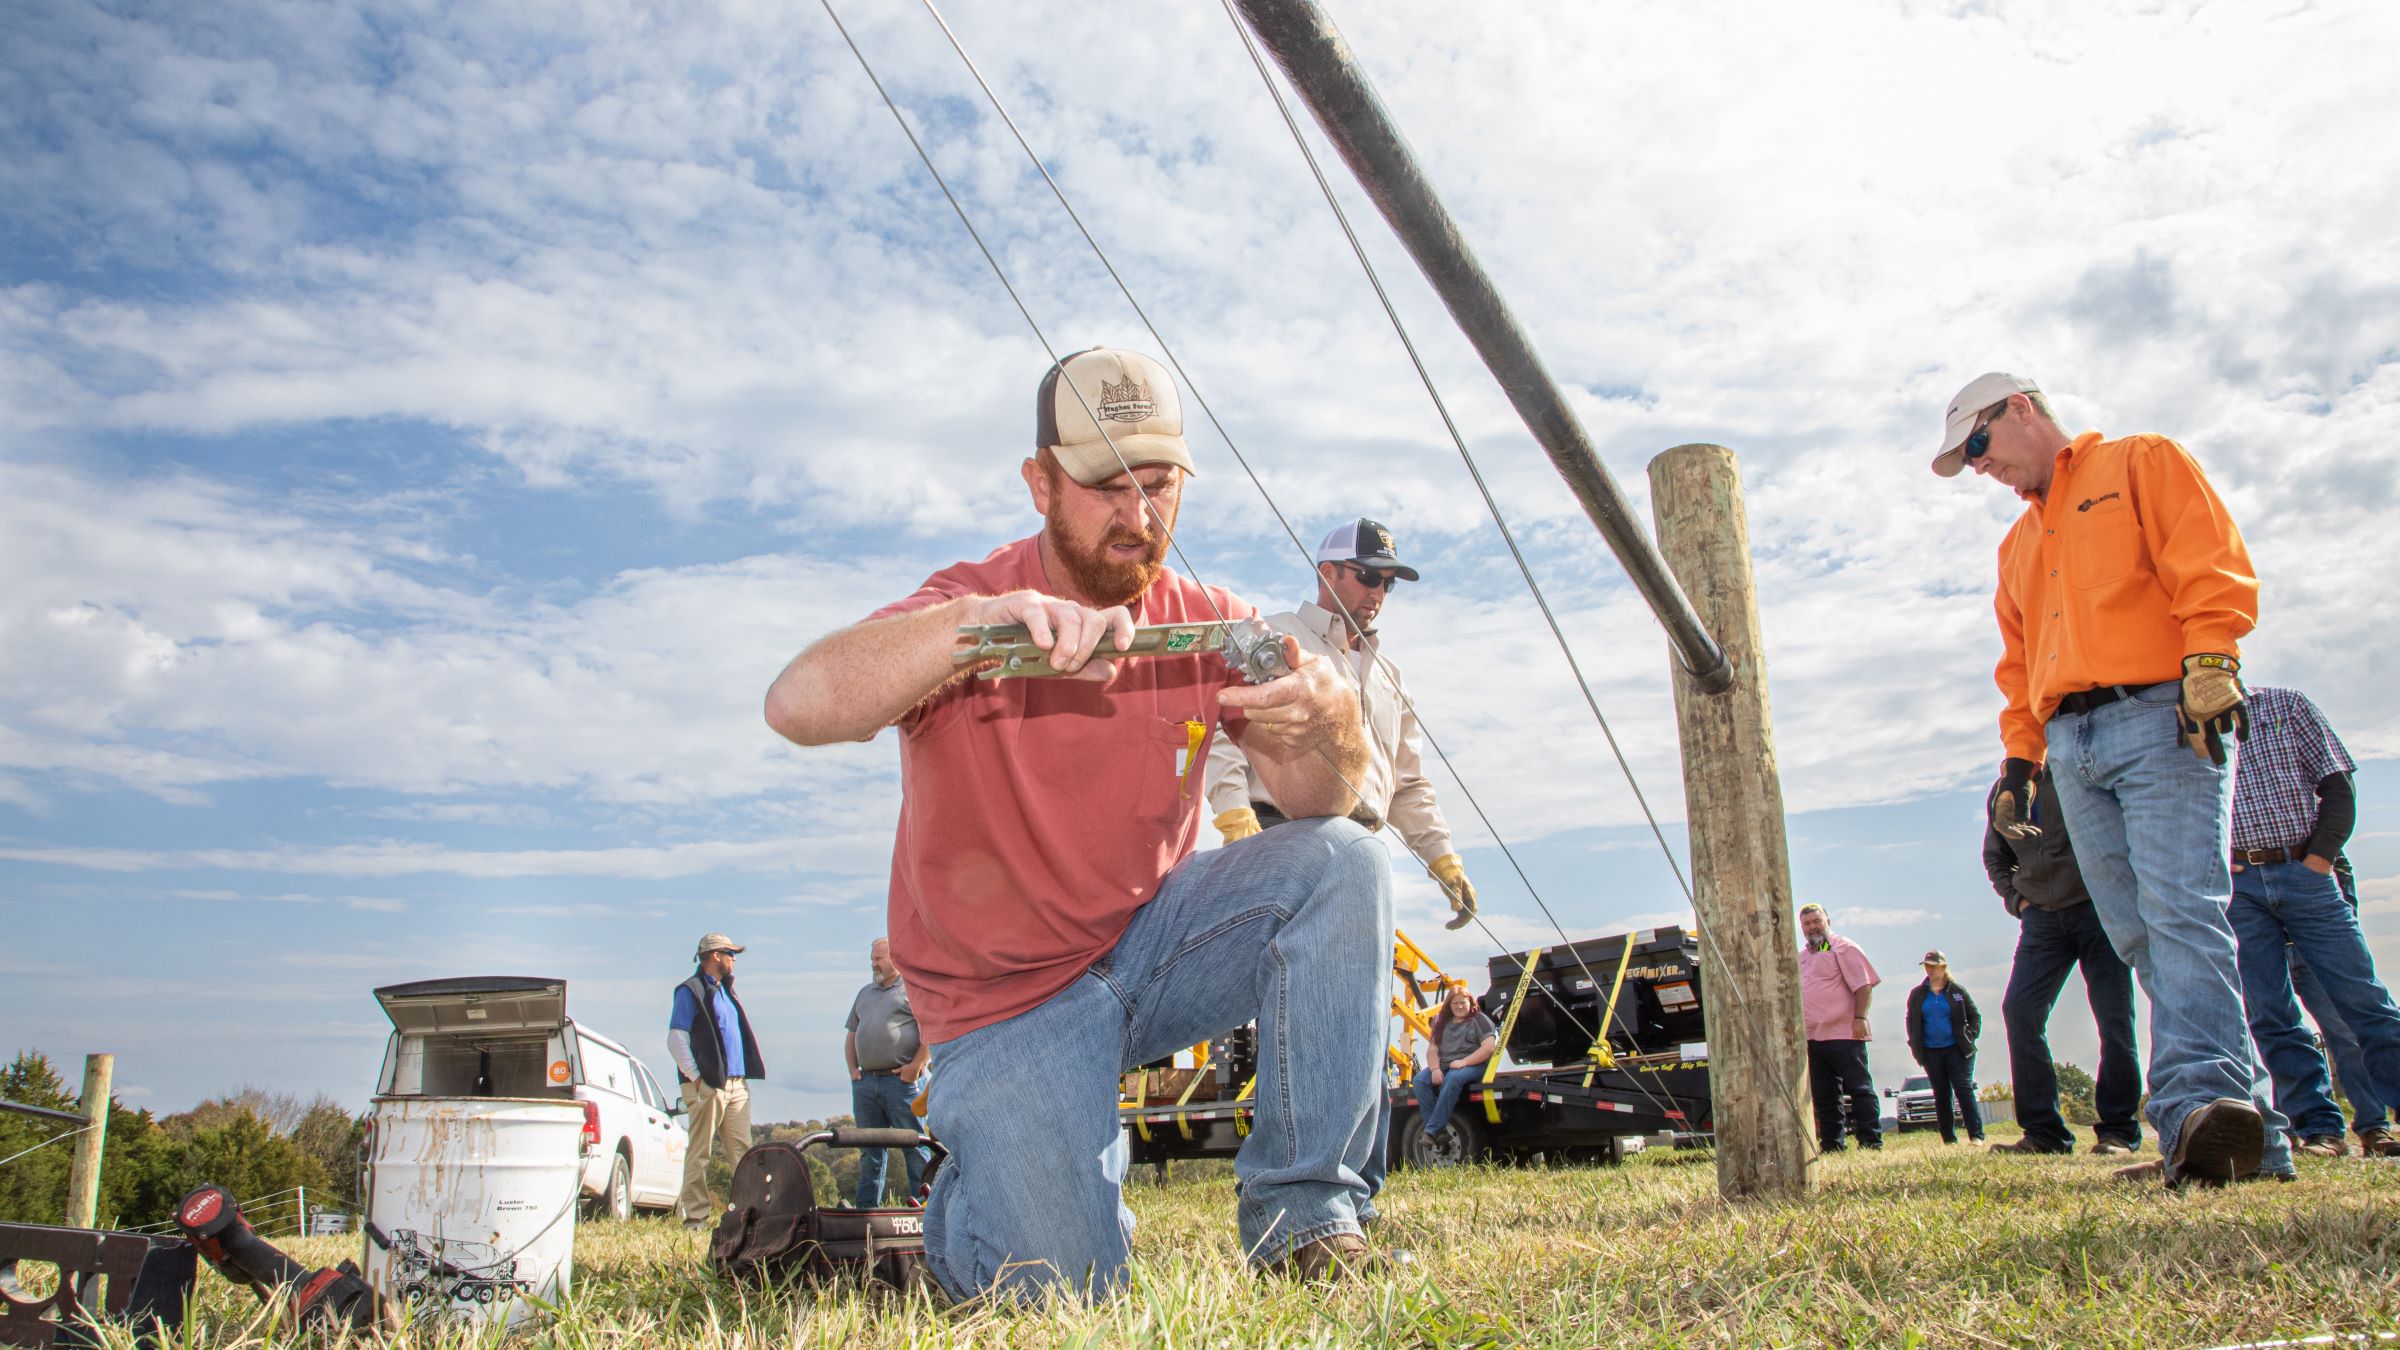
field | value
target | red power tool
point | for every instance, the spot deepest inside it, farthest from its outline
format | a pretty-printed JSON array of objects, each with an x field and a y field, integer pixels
[{"x": 331, "y": 1296}]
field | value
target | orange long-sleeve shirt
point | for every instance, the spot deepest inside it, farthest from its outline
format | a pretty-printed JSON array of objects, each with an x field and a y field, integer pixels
[{"x": 2127, "y": 565}]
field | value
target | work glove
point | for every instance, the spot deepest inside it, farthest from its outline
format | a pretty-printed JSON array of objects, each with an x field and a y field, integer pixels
[
  {"x": 2012, "y": 800},
  {"x": 1451, "y": 870},
  {"x": 2211, "y": 705},
  {"x": 1239, "y": 823}
]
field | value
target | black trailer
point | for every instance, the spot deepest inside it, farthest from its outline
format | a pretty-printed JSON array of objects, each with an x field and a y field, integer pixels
[{"x": 1648, "y": 1076}]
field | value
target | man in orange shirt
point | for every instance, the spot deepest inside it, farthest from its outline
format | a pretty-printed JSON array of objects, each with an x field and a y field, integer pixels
[{"x": 2124, "y": 591}]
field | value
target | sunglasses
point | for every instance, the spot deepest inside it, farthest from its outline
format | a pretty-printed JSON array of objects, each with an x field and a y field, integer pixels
[
  {"x": 1979, "y": 441},
  {"x": 1370, "y": 578}
]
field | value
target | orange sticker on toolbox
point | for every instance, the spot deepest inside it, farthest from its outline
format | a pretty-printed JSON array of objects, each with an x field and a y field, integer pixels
[{"x": 558, "y": 1071}]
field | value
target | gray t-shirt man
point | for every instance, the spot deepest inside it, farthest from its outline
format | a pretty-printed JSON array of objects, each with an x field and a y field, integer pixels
[{"x": 885, "y": 1026}]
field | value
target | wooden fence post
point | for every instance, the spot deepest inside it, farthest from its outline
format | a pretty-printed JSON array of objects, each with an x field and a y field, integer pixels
[
  {"x": 83, "y": 1183},
  {"x": 1741, "y": 872}
]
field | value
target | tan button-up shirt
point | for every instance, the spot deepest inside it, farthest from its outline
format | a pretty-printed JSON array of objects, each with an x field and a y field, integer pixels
[{"x": 1394, "y": 784}]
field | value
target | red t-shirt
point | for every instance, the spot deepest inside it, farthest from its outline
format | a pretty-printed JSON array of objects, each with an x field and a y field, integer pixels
[{"x": 1036, "y": 815}]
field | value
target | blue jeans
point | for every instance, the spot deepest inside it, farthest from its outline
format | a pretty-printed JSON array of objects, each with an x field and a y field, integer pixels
[
  {"x": 2051, "y": 943},
  {"x": 1952, "y": 1073},
  {"x": 1434, "y": 1105},
  {"x": 2367, "y": 1111},
  {"x": 2276, "y": 903},
  {"x": 880, "y": 1100},
  {"x": 2151, "y": 825},
  {"x": 1292, "y": 928}
]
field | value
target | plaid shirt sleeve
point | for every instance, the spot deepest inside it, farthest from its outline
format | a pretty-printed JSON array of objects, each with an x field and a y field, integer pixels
[{"x": 2290, "y": 750}]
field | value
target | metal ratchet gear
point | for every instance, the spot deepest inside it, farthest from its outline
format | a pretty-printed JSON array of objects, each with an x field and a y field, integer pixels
[{"x": 1252, "y": 648}]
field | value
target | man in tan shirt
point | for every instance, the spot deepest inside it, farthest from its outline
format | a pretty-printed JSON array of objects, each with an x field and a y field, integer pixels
[{"x": 1357, "y": 567}]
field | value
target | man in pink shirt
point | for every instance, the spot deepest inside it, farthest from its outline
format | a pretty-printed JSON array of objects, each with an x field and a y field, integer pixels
[
  {"x": 1836, "y": 982},
  {"x": 1047, "y": 909}
]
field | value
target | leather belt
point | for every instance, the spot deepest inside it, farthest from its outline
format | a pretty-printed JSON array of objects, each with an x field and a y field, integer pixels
[
  {"x": 2085, "y": 700},
  {"x": 2254, "y": 857},
  {"x": 892, "y": 1072}
]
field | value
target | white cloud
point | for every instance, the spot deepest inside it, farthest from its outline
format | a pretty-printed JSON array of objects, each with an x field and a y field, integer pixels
[
  {"x": 1871, "y": 917},
  {"x": 691, "y": 260}
]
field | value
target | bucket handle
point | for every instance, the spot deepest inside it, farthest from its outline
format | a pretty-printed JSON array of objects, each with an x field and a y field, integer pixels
[{"x": 853, "y": 1136}]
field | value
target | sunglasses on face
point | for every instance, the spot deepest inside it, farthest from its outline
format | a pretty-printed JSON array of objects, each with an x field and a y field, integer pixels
[
  {"x": 1979, "y": 440},
  {"x": 1372, "y": 579}
]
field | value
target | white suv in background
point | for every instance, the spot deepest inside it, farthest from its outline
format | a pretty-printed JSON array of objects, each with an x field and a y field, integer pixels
[
  {"x": 510, "y": 1036},
  {"x": 1915, "y": 1109}
]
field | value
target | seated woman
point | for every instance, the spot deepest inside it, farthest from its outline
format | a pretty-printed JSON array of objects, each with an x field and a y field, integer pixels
[{"x": 1463, "y": 1038}]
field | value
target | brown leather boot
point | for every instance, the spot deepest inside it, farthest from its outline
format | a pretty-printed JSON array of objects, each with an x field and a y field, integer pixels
[
  {"x": 2322, "y": 1146},
  {"x": 1340, "y": 1256}
]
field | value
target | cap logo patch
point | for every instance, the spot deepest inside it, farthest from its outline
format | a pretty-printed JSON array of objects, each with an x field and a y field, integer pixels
[
  {"x": 1383, "y": 540},
  {"x": 1127, "y": 402}
]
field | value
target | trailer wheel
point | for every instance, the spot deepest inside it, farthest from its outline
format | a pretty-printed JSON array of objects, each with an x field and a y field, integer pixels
[{"x": 1460, "y": 1141}]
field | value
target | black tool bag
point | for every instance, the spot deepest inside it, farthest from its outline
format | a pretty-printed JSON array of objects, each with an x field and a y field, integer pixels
[{"x": 776, "y": 1226}]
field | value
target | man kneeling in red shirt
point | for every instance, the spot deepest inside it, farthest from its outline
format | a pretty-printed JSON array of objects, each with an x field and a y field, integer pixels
[{"x": 1047, "y": 910}]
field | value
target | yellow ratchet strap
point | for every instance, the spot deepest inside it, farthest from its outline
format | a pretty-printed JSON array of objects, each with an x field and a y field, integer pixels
[
  {"x": 1491, "y": 1067},
  {"x": 1200, "y": 1055},
  {"x": 1601, "y": 1055},
  {"x": 1241, "y": 1118}
]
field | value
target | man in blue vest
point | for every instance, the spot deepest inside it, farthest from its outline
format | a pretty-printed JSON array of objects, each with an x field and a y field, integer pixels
[{"x": 717, "y": 1057}]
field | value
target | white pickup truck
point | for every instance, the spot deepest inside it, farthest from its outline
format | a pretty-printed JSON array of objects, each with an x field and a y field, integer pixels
[{"x": 510, "y": 1036}]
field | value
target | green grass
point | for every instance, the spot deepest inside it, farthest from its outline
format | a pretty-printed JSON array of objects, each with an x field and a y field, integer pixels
[{"x": 1919, "y": 1245}]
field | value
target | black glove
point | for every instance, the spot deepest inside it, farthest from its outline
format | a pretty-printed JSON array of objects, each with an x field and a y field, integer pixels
[{"x": 2012, "y": 800}]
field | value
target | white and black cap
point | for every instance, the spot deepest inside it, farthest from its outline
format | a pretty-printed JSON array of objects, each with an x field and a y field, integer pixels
[
  {"x": 1132, "y": 395},
  {"x": 1366, "y": 543}
]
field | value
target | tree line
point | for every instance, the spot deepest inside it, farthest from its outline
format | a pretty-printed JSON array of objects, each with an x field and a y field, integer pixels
[{"x": 252, "y": 1142}]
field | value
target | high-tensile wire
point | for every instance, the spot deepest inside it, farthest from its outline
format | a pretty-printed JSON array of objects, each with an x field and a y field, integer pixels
[
  {"x": 1382, "y": 662},
  {"x": 1158, "y": 521},
  {"x": 1192, "y": 387},
  {"x": 1782, "y": 1078}
]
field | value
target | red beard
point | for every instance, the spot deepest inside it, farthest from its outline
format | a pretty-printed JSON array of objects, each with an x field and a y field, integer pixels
[{"x": 1104, "y": 580}]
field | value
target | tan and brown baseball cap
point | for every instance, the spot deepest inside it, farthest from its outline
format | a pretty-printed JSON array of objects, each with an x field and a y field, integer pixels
[
  {"x": 1130, "y": 395},
  {"x": 717, "y": 942}
]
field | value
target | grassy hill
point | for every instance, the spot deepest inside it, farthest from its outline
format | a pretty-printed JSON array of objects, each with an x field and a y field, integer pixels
[{"x": 1918, "y": 1245}]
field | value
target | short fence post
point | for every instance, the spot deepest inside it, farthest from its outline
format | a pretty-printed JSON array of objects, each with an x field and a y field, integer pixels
[{"x": 83, "y": 1183}]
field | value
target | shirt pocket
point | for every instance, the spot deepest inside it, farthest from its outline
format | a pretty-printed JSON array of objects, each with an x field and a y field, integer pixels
[
  {"x": 2103, "y": 545},
  {"x": 1158, "y": 796}
]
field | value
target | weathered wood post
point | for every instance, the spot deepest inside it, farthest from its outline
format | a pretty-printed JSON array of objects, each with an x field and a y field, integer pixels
[
  {"x": 1741, "y": 872},
  {"x": 83, "y": 1182}
]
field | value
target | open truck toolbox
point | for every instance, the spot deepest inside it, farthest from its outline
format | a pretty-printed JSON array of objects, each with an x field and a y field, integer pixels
[
  {"x": 1577, "y": 1096},
  {"x": 508, "y": 1037}
]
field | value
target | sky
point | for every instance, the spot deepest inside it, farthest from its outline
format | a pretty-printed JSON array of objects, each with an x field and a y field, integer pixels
[{"x": 425, "y": 430}]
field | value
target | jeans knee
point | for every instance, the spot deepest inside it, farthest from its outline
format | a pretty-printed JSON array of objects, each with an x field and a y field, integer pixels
[{"x": 1343, "y": 867}]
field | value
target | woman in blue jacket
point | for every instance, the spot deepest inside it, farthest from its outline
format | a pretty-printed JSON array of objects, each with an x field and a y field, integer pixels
[{"x": 1942, "y": 1027}]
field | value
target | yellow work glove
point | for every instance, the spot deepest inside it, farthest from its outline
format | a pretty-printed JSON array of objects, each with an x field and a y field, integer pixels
[
  {"x": 1239, "y": 823},
  {"x": 2211, "y": 705},
  {"x": 1451, "y": 870}
]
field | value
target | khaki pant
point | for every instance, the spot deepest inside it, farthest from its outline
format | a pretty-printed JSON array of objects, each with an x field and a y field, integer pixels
[{"x": 720, "y": 1120}]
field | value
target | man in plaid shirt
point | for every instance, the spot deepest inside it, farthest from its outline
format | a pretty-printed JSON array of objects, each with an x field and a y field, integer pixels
[{"x": 2293, "y": 808}]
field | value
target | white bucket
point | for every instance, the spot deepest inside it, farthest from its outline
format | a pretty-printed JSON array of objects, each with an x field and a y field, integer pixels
[{"x": 472, "y": 1204}]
